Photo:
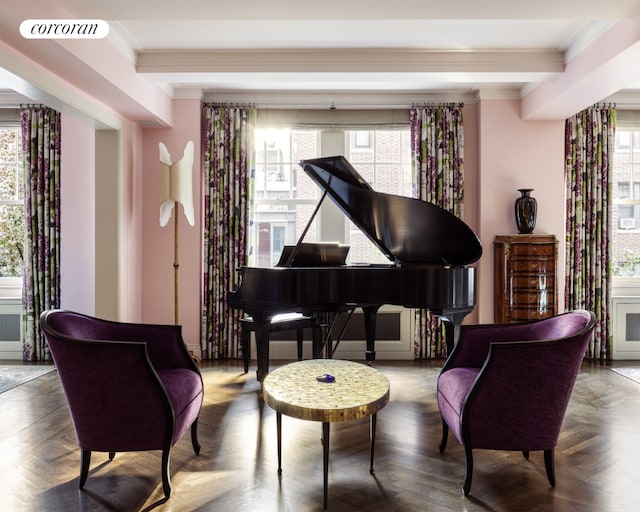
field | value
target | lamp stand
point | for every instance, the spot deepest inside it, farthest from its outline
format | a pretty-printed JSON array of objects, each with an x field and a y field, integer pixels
[{"x": 176, "y": 264}]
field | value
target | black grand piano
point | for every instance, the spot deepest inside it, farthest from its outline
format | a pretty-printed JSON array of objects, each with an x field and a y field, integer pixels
[{"x": 429, "y": 251}]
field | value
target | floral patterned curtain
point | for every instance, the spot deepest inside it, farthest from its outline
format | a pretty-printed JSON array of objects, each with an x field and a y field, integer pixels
[
  {"x": 437, "y": 149},
  {"x": 589, "y": 142},
  {"x": 41, "y": 281},
  {"x": 228, "y": 146}
]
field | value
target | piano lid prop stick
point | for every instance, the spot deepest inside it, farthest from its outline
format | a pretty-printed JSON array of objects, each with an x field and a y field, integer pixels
[{"x": 304, "y": 232}]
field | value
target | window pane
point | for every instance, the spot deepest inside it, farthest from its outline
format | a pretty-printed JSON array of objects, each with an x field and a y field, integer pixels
[
  {"x": 8, "y": 182},
  {"x": 11, "y": 240},
  {"x": 10, "y": 164},
  {"x": 9, "y": 145},
  {"x": 625, "y": 235},
  {"x": 11, "y": 206},
  {"x": 624, "y": 190}
]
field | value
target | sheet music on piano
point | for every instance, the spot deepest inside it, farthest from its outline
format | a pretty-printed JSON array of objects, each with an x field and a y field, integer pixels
[{"x": 310, "y": 254}]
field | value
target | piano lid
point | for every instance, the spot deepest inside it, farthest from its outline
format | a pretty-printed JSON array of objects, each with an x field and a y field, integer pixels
[{"x": 406, "y": 230}]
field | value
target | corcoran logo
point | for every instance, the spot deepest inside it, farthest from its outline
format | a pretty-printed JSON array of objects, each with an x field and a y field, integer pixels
[{"x": 64, "y": 29}]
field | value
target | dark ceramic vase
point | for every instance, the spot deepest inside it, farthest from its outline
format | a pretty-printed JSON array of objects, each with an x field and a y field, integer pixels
[{"x": 526, "y": 208}]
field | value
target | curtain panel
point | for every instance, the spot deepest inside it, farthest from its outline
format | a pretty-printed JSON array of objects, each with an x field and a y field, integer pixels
[
  {"x": 589, "y": 143},
  {"x": 437, "y": 149},
  {"x": 228, "y": 181},
  {"x": 41, "y": 278}
]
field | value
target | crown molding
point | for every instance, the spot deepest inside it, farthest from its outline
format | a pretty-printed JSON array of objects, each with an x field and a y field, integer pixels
[
  {"x": 625, "y": 100},
  {"x": 12, "y": 99}
]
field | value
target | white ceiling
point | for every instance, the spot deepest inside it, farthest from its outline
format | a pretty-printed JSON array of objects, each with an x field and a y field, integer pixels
[
  {"x": 374, "y": 26},
  {"x": 336, "y": 46}
]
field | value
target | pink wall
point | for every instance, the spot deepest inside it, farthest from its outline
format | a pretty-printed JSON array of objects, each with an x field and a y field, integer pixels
[
  {"x": 516, "y": 154},
  {"x": 77, "y": 221},
  {"x": 131, "y": 222},
  {"x": 158, "y": 242},
  {"x": 471, "y": 196},
  {"x": 101, "y": 223}
]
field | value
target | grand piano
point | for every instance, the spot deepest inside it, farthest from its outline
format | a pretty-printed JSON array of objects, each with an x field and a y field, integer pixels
[{"x": 429, "y": 252}]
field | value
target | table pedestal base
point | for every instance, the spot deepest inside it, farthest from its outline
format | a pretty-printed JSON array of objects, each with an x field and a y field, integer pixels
[{"x": 325, "y": 450}]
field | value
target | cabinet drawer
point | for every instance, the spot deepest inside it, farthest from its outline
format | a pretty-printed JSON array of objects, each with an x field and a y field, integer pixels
[
  {"x": 533, "y": 250},
  {"x": 532, "y": 282},
  {"x": 542, "y": 263},
  {"x": 531, "y": 298}
]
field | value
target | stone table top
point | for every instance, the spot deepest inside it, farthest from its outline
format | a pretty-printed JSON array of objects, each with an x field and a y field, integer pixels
[{"x": 357, "y": 392}]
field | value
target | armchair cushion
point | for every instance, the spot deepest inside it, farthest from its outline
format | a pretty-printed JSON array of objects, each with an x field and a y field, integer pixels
[
  {"x": 453, "y": 388},
  {"x": 184, "y": 390}
]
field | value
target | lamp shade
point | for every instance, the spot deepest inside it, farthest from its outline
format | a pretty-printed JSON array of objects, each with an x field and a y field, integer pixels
[{"x": 176, "y": 183}]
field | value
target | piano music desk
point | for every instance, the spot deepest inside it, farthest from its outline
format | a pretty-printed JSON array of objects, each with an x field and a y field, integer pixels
[
  {"x": 284, "y": 322},
  {"x": 358, "y": 391}
]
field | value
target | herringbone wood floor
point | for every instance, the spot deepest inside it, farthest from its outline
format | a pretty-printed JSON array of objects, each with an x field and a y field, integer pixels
[{"x": 597, "y": 460}]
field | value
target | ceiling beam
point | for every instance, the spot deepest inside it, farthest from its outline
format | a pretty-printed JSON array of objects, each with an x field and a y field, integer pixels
[
  {"x": 605, "y": 67},
  {"x": 349, "y": 60}
]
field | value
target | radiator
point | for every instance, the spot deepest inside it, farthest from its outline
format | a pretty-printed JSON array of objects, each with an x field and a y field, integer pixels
[
  {"x": 626, "y": 328},
  {"x": 11, "y": 330}
]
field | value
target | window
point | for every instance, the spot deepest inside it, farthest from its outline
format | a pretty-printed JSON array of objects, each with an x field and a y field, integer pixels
[
  {"x": 11, "y": 203},
  {"x": 285, "y": 197},
  {"x": 625, "y": 211}
]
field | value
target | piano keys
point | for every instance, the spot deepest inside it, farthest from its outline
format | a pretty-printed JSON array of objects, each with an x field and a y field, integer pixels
[{"x": 429, "y": 249}]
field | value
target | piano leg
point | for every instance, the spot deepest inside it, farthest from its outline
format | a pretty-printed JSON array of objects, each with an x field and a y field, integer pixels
[
  {"x": 261, "y": 326},
  {"x": 452, "y": 323},
  {"x": 318, "y": 339},
  {"x": 370, "y": 313}
]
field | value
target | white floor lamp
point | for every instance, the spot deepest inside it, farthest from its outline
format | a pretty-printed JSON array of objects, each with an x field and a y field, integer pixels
[{"x": 176, "y": 187}]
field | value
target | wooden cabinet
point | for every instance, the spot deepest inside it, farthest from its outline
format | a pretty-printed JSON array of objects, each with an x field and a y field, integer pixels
[{"x": 525, "y": 277}]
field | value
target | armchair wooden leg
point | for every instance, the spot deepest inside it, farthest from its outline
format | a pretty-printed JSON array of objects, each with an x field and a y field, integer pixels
[
  {"x": 112, "y": 455},
  {"x": 166, "y": 481},
  {"x": 445, "y": 436},
  {"x": 550, "y": 467},
  {"x": 85, "y": 459},
  {"x": 468, "y": 472},
  {"x": 526, "y": 454},
  {"x": 194, "y": 437}
]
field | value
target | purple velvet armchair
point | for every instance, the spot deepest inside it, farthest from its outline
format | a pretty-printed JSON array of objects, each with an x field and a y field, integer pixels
[
  {"x": 129, "y": 387},
  {"x": 507, "y": 386}
]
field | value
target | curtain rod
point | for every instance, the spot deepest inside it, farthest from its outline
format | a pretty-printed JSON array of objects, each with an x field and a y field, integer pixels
[
  {"x": 435, "y": 104},
  {"x": 32, "y": 105},
  {"x": 331, "y": 106},
  {"x": 228, "y": 104}
]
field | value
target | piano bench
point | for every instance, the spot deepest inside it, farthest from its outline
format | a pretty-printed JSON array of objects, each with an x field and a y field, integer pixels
[{"x": 283, "y": 322}]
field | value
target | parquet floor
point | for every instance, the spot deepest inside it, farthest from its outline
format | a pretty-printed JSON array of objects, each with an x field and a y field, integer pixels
[{"x": 597, "y": 460}]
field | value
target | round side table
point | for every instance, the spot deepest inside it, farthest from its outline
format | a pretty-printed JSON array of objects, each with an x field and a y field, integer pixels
[{"x": 326, "y": 390}]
